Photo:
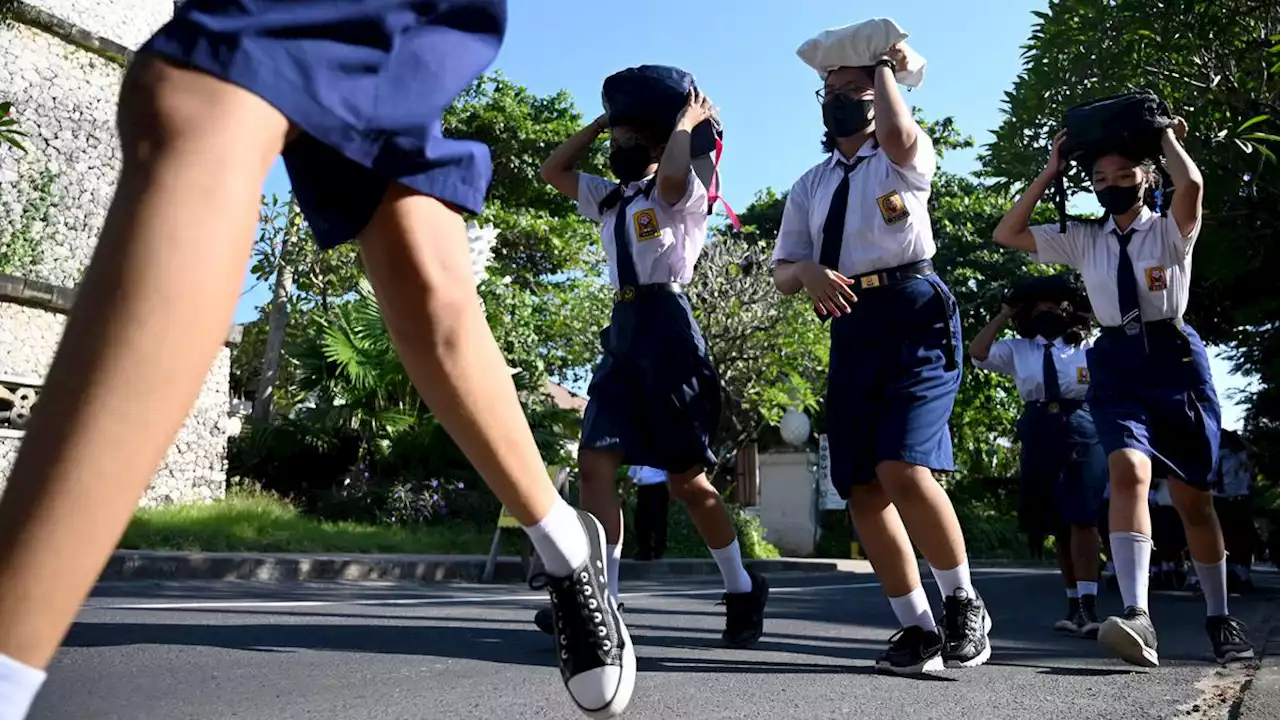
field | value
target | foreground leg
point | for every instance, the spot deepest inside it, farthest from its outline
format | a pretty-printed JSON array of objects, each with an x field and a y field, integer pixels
[
  {"x": 1208, "y": 553},
  {"x": 151, "y": 315},
  {"x": 918, "y": 646},
  {"x": 415, "y": 253},
  {"x": 931, "y": 521},
  {"x": 746, "y": 593},
  {"x": 1132, "y": 635}
]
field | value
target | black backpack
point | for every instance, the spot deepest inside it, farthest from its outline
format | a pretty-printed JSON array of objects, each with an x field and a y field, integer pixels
[
  {"x": 651, "y": 97},
  {"x": 1129, "y": 124}
]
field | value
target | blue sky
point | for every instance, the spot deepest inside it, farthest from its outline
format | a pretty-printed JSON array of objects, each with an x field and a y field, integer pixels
[{"x": 745, "y": 61}]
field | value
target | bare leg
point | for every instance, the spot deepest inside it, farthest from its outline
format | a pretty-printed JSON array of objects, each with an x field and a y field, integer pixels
[
  {"x": 1130, "y": 524},
  {"x": 1204, "y": 540},
  {"x": 1084, "y": 553},
  {"x": 1062, "y": 541},
  {"x": 927, "y": 513},
  {"x": 884, "y": 539},
  {"x": 706, "y": 507},
  {"x": 152, "y": 312},
  {"x": 415, "y": 253},
  {"x": 599, "y": 491}
]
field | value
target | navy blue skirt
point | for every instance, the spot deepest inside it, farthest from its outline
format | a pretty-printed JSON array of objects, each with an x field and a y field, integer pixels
[
  {"x": 892, "y": 382},
  {"x": 1064, "y": 468},
  {"x": 366, "y": 82},
  {"x": 655, "y": 396},
  {"x": 1157, "y": 397}
]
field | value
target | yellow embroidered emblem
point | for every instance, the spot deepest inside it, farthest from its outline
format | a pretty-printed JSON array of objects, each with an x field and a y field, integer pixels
[
  {"x": 646, "y": 222},
  {"x": 893, "y": 208}
]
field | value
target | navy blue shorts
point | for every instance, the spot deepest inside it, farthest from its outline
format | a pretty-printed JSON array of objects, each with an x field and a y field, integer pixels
[
  {"x": 892, "y": 382},
  {"x": 1064, "y": 468},
  {"x": 365, "y": 81},
  {"x": 1158, "y": 399},
  {"x": 655, "y": 396}
]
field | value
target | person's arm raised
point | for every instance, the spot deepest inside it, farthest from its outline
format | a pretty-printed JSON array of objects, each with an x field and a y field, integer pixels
[{"x": 561, "y": 169}]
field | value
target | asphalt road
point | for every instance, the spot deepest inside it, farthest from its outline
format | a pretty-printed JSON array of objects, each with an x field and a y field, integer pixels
[{"x": 214, "y": 650}]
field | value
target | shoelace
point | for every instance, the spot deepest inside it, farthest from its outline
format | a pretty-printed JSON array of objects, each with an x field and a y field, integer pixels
[
  {"x": 1232, "y": 632},
  {"x": 576, "y": 590}
]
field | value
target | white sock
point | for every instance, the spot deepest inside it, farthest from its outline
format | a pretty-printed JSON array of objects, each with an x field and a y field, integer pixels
[
  {"x": 954, "y": 579},
  {"x": 1132, "y": 553},
  {"x": 729, "y": 559},
  {"x": 1213, "y": 580},
  {"x": 913, "y": 609},
  {"x": 1073, "y": 593},
  {"x": 615, "y": 565},
  {"x": 560, "y": 540},
  {"x": 19, "y": 684},
  {"x": 1087, "y": 588}
]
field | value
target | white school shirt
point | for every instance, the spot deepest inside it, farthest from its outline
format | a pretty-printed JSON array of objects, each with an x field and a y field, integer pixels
[
  {"x": 666, "y": 240},
  {"x": 1023, "y": 358},
  {"x": 887, "y": 223},
  {"x": 1236, "y": 472},
  {"x": 1161, "y": 257},
  {"x": 641, "y": 475}
]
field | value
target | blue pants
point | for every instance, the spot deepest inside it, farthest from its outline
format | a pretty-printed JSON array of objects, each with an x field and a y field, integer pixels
[
  {"x": 655, "y": 396},
  {"x": 366, "y": 82},
  {"x": 892, "y": 382},
  {"x": 1064, "y": 468},
  {"x": 1157, "y": 398}
]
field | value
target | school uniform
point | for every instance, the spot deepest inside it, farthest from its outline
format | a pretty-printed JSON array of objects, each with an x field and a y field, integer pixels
[
  {"x": 655, "y": 396},
  {"x": 1151, "y": 389},
  {"x": 365, "y": 82},
  {"x": 652, "y": 507},
  {"x": 1064, "y": 469},
  {"x": 895, "y": 358}
]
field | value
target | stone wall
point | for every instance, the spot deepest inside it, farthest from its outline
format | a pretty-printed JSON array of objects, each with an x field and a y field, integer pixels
[{"x": 61, "y": 63}]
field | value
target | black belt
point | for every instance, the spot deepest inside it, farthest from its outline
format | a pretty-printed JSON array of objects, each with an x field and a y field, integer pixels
[
  {"x": 627, "y": 293},
  {"x": 1150, "y": 325},
  {"x": 893, "y": 276}
]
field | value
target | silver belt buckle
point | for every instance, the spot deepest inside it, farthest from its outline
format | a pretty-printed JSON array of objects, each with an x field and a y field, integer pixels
[{"x": 1132, "y": 329}]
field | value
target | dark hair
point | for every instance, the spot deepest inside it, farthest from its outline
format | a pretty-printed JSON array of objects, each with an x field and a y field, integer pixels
[
  {"x": 1077, "y": 322},
  {"x": 1066, "y": 291},
  {"x": 1151, "y": 197}
]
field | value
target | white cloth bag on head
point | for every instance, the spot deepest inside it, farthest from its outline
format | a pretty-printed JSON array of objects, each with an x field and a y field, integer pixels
[{"x": 860, "y": 45}]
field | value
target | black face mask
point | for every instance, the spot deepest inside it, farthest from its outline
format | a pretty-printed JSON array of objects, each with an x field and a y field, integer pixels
[
  {"x": 1119, "y": 199},
  {"x": 630, "y": 163},
  {"x": 846, "y": 117},
  {"x": 1049, "y": 324}
]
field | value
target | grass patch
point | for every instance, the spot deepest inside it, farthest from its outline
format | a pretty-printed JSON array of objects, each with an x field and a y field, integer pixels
[{"x": 259, "y": 522}]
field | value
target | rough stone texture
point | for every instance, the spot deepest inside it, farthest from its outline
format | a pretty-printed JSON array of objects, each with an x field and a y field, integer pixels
[
  {"x": 128, "y": 22},
  {"x": 194, "y": 469},
  {"x": 65, "y": 99}
]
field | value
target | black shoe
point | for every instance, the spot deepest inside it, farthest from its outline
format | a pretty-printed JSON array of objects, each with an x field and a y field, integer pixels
[
  {"x": 1229, "y": 638},
  {"x": 912, "y": 651},
  {"x": 544, "y": 622},
  {"x": 744, "y": 613},
  {"x": 965, "y": 625},
  {"x": 597, "y": 659},
  {"x": 1132, "y": 637},
  {"x": 1087, "y": 622},
  {"x": 1068, "y": 623}
]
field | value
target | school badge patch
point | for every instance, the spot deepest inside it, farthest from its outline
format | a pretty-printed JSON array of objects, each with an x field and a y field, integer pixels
[
  {"x": 1082, "y": 375},
  {"x": 1157, "y": 280},
  {"x": 893, "y": 208},
  {"x": 646, "y": 222}
]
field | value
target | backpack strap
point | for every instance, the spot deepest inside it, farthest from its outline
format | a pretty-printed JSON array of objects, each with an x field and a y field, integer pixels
[{"x": 713, "y": 192}]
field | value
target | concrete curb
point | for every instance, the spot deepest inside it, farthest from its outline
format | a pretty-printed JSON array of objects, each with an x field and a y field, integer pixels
[{"x": 128, "y": 565}]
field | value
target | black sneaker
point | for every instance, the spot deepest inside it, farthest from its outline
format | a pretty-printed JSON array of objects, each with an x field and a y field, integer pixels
[
  {"x": 1087, "y": 622},
  {"x": 1068, "y": 623},
  {"x": 543, "y": 620},
  {"x": 744, "y": 613},
  {"x": 965, "y": 625},
  {"x": 597, "y": 659},
  {"x": 1132, "y": 637},
  {"x": 912, "y": 651},
  {"x": 1229, "y": 638}
]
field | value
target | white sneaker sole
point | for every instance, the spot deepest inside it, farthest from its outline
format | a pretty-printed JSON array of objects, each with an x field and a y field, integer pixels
[
  {"x": 983, "y": 656},
  {"x": 1235, "y": 656},
  {"x": 1125, "y": 643},
  {"x": 931, "y": 665},
  {"x": 627, "y": 680}
]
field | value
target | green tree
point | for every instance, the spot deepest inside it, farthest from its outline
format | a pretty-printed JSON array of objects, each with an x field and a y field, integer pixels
[{"x": 1217, "y": 65}]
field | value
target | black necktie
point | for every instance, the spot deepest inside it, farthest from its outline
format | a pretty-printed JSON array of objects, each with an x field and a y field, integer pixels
[
  {"x": 833, "y": 227},
  {"x": 1127, "y": 286},
  {"x": 627, "y": 276},
  {"x": 1051, "y": 389}
]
